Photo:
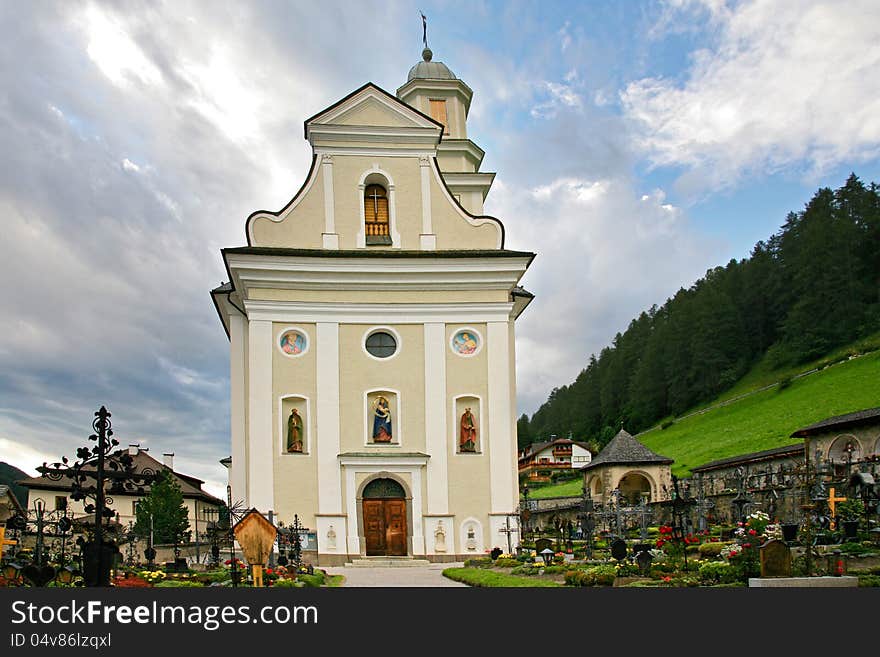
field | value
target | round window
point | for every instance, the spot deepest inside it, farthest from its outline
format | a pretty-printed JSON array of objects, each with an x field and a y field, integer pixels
[{"x": 381, "y": 344}]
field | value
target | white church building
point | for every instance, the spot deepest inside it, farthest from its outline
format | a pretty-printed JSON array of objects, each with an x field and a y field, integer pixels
[{"x": 371, "y": 328}]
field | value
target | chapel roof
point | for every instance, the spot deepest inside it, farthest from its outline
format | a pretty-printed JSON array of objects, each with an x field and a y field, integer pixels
[
  {"x": 752, "y": 457},
  {"x": 624, "y": 449},
  {"x": 430, "y": 70},
  {"x": 867, "y": 416}
]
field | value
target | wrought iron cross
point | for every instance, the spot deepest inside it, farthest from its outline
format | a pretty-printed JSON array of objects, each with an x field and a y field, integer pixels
[{"x": 507, "y": 529}]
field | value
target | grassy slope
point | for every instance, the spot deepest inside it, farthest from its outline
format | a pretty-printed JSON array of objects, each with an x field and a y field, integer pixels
[
  {"x": 565, "y": 489},
  {"x": 767, "y": 419},
  {"x": 763, "y": 420}
]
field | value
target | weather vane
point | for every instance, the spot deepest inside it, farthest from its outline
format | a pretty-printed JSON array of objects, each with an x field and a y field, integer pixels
[{"x": 424, "y": 29}]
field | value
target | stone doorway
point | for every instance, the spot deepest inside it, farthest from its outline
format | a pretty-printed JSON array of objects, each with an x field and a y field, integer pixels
[{"x": 384, "y": 513}]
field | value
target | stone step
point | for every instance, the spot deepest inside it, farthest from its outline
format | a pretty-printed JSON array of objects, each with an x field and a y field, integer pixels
[{"x": 388, "y": 562}]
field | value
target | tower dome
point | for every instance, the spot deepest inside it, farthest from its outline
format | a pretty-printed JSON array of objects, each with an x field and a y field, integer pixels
[{"x": 430, "y": 70}]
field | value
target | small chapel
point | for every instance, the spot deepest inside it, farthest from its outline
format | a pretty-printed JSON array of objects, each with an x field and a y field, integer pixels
[{"x": 371, "y": 330}]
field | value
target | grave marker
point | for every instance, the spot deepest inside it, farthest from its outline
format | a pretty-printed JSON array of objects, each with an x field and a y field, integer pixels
[{"x": 775, "y": 559}]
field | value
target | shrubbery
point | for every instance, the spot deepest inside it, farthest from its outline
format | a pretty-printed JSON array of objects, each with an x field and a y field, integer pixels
[
  {"x": 718, "y": 572},
  {"x": 711, "y": 549},
  {"x": 312, "y": 581},
  {"x": 506, "y": 563},
  {"x": 595, "y": 576}
]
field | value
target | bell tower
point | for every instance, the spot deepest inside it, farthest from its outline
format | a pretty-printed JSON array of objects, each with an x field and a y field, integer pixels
[{"x": 433, "y": 89}]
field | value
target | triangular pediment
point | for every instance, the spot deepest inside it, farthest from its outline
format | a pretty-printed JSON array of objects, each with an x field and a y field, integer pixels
[{"x": 371, "y": 106}]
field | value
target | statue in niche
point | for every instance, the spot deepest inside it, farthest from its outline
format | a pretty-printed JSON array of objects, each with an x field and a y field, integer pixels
[
  {"x": 468, "y": 432},
  {"x": 381, "y": 420},
  {"x": 331, "y": 538},
  {"x": 471, "y": 543},
  {"x": 440, "y": 538},
  {"x": 294, "y": 432}
]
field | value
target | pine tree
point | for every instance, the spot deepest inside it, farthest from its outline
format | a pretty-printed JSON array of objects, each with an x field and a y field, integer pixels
[{"x": 169, "y": 515}]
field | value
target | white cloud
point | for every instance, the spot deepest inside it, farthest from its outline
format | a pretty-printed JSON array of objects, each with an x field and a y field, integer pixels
[
  {"x": 786, "y": 83},
  {"x": 605, "y": 253},
  {"x": 557, "y": 95},
  {"x": 114, "y": 52}
]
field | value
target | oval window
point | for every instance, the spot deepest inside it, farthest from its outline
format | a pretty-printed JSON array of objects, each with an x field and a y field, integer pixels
[{"x": 381, "y": 344}]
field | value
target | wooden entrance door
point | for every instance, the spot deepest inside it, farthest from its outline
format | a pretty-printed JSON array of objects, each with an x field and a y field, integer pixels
[{"x": 385, "y": 527}]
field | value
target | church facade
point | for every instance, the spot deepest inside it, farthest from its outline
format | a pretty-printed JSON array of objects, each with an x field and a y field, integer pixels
[{"x": 371, "y": 327}]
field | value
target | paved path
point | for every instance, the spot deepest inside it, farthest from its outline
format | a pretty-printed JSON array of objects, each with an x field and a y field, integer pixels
[{"x": 420, "y": 576}]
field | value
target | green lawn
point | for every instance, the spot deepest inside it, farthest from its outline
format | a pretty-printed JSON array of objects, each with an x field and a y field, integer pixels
[
  {"x": 488, "y": 578},
  {"x": 767, "y": 419},
  {"x": 565, "y": 489}
]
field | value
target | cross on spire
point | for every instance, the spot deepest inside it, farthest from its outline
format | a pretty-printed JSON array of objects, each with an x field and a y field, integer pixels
[{"x": 424, "y": 29}]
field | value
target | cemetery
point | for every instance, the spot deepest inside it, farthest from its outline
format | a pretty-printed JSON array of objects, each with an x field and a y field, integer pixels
[{"x": 770, "y": 519}]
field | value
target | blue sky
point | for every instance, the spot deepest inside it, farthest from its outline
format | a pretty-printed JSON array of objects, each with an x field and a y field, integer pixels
[{"x": 636, "y": 144}]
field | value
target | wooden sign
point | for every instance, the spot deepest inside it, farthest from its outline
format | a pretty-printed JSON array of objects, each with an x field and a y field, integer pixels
[
  {"x": 256, "y": 536},
  {"x": 5, "y": 541}
]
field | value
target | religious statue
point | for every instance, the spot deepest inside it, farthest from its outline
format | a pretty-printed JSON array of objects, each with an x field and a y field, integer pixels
[
  {"x": 331, "y": 538},
  {"x": 294, "y": 432},
  {"x": 440, "y": 538},
  {"x": 382, "y": 421},
  {"x": 471, "y": 543},
  {"x": 468, "y": 432}
]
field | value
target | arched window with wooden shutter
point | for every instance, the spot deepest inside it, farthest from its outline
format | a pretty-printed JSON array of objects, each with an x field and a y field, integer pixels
[{"x": 376, "y": 215}]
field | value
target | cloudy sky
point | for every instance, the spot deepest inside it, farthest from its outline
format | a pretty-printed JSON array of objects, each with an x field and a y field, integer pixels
[{"x": 636, "y": 143}]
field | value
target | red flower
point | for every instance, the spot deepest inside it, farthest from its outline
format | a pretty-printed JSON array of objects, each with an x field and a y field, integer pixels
[
  {"x": 667, "y": 578},
  {"x": 747, "y": 545},
  {"x": 752, "y": 532}
]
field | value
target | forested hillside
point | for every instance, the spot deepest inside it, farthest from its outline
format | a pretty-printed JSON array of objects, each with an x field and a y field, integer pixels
[{"x": 811, "y": 287}]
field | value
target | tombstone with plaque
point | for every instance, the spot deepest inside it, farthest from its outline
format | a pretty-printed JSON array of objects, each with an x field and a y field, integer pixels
[{"x": 775, "y": 559}]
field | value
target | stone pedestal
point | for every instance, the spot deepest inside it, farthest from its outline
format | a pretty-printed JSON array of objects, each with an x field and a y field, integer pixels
[{"x": 803, "y": 582}]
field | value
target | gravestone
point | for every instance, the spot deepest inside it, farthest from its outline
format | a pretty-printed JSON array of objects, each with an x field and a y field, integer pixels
[
  {"x": 618, "y": 549},
  {"x": 775, "y": 559},
  {"x": 543, "y": 544},
  {"x": 641, "y": 547},
  {"x": 644, "y": 559}
]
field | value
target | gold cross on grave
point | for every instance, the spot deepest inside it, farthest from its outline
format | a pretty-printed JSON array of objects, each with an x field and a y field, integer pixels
[
  {"x": 5, "y": 541},
  {"x": 832, "y": 501}
]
